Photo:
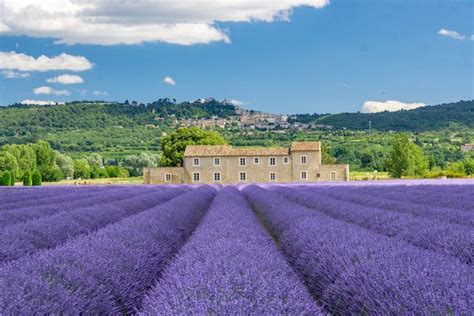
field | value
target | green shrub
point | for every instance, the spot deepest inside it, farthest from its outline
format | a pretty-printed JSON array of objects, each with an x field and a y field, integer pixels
[
  {"x": 94, "y": 174},
  {"x": 6, "y": 178},
  {"x": 27, "y": 180},
  {"x": 102, "y": 172},
  {"x": 36, "y": 178},
  {"x": 82, "y": 169},
  {"x": 117, "y": 172},
  {"x": 12, "y": 179}
]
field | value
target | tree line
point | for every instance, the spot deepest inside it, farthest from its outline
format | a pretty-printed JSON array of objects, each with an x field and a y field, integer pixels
[{"x": 37, "y": 162}]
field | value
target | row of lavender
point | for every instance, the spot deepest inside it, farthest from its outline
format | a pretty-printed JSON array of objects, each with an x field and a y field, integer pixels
[
  {"x": 133, "y": 255},
  {"x": 397, "y": 220},
  {"x": 357, "y": 269},
  {"x": 107, "y": 270}
]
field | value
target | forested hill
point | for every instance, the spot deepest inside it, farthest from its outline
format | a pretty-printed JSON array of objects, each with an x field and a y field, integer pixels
[
  {"x": 20, "y": 120},
  {"x": 422, "y": 119},
  {"x": 33, "y": 121}
]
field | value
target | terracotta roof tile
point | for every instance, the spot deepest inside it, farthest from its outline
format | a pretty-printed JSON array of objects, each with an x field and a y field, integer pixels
[
  {"x": 304, "y": 146},
  {"x": 207, "y": 150},
  {"x": 227, "y": 150}
]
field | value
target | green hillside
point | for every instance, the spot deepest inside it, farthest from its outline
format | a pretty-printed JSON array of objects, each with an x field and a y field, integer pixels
[{"x": 427, "y": 118}]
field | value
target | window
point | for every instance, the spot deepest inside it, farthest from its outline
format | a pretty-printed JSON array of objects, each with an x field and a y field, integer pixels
[
  {"x": 243, "y": 176},
  {"x": 304, "y": 175},
  {"x": 196, "y": 177},
  {"x": 242, "y": 161},
  {"x": 333, "y": 175},
  {"x": 304, "y": 160},
  {"x": 256, "y": 160},
  {"x": 217, "y": 161},
  {"x": 318, "y": 175},
  {"x": 272, "y": 176},
  {"x": 195, "y": 161},
  {"x": 286, "y": 160},
  {"x": 217, "y": 176},
  {"x": 272, "y": 161},
  {"x": 167, "y": 177}
]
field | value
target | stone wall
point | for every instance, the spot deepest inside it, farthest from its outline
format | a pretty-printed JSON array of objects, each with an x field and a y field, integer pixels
[
  {"x": 159, "y": 175},
  {"x": 230, "y": 169},
  {"x": 333, "y": 173},
  {"x": 313, "y": 161}
]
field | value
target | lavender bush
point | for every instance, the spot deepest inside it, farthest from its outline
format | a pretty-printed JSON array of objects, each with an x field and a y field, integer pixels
[
  {"x": 229, "y": 266},
  {"x": 47, "y": 232},
  {"x": 414, "y": 208},
  {"x": 59, "y": 197},
  {"x": 105, "y": 272},
  {"x": 354, "y": 271},
  {"x": 15, "y": 194},
  {"x": 445, "y": 238},
  {"x": 14, "y": 216}
]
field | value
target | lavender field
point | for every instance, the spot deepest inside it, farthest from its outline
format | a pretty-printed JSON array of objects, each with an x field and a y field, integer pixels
[{"x": 375, "y": 248}]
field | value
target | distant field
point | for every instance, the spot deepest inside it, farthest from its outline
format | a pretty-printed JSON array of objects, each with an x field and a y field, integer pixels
[
  {"x": 130, "y": 180},
  {"x": 363, "y": 175},
  {"x": 368, "y": 247}
]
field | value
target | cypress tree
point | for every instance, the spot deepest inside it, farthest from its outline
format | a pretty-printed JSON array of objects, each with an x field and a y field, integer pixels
[
  {"x": 36, "y": 178},
  {"x": 27, "y": 181},
  {"x": 6, "y": 178}
]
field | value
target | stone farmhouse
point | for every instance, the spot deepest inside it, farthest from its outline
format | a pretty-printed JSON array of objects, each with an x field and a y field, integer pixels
[{"x": 226, "y": 164}]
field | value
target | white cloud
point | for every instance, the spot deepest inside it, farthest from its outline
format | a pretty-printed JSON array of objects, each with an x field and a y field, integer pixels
[
  {"x": 472, "y": 37},
  {"x": 40, "y": 102},
  {"x": 49, "y": 90},
  {"x": 169, "y": 80},
  {"x": 236, "y": 102},
  {"x": 452, "y": 34},
  {"x": 97, "y": 92},
  {"x": 22, "y": 62},
  {"x": 10, "y": 74},
  {"x": 390, "y": 106},
  {"x": 110, "y": 22},
  {"x": 66, "y": 79}
]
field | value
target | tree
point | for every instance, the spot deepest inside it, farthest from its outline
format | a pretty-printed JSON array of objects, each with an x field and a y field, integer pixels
[
  {"x": 9, "y": 162},
  {"x": 174, "y": 144},
  {"x": 36, "y": 178},
  {"x": 135, "y": 163},
  {"x": 6, "y": 178},
  {"x": 406, "y": 158},
  {"x": 12, "y": 179},
  {"x": 66, "y": 164},
  {"x": 117, "y": 172},
  {"x": 82, "y": 169},
  {"x": 95, "y": 160},
  {"x": 45, "y": 159},
  {"x": 326, "y": 157},
  {"x": 27, "y": 181}
]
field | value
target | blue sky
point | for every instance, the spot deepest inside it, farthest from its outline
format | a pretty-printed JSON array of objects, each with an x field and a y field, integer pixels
[{"x": 318, "y": 58}]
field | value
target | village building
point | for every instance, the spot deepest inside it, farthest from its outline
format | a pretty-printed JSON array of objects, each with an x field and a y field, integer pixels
[
  {"x": 226, "y": 164},
  {"x": 467, "y": 147}
]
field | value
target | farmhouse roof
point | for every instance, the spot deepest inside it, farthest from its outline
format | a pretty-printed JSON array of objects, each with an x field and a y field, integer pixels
[
  {"x": 305, "y": 146},
  {"x": 226, "y": 150}
]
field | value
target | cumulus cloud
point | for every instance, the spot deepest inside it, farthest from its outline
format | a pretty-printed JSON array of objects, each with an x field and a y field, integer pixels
[
  {"x": 22, "y": 62},
  {"x": 10, "y": 74},
  {"x": 390, "y": 106},
  {"x": 49, "y": 90},
  {"x": 40, "y": 102},
  {"x": 236, "y": 102},
  {"x": 452, "y": 34},
  {"x": 66, "y": 79},
  {"x": 169, "y": 80},
  {"x": 110, "y": 22}
]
